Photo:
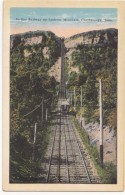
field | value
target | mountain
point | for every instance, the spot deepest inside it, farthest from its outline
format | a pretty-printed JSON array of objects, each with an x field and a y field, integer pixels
[
  {"x": 50, "y": 46},
  {"x": 88, "y": 56}
]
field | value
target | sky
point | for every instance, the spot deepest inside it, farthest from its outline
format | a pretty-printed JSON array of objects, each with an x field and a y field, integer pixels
[{"x": 62, "y": 21}]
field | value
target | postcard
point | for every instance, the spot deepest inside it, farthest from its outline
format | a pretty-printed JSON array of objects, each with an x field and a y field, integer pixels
[{"x": 63, "y": 95}]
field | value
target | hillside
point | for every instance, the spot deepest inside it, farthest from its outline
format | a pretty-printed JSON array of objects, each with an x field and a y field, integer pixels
[
  {"x": 88, "y": 61},
  {"x": 31, "y": 90},
  {"x": 97, "y": 38}
]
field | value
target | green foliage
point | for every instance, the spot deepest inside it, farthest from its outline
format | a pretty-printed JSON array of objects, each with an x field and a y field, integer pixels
[
  {"x": 109, "y": 174},
  {"x": 23, "y": 169},
  {"x": 29, "y": 83},
  {"x": 72, "y": 79},
  {"x": 96, "y": 62}
]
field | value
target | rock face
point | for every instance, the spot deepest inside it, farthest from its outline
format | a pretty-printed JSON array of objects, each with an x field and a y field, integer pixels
[
  {"x": 15, "y": 40},
  {"x": 95, "y": 38},
  {"x": 46, "y": 52},
  {"x": 109, "y": 140},
  {"x": 55, "y": 70},
  {"x": 44, "y": 44},
  {"x": 92, "y": 37},
  {"x": 31, "y": 38}
]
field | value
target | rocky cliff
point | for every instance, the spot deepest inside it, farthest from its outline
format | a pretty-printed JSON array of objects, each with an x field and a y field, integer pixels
[
  {"x": 48, "y": 46},
  {"x": 31, "y": 38},
  {"x": 43, "y": 44},
  {"x": 92, "y": 37}
]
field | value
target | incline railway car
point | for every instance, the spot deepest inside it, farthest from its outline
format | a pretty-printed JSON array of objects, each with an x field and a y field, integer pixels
[{"x": 65, "y": 107}]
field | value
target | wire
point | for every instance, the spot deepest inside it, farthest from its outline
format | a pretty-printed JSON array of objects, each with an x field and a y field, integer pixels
[{"x": 36, "y": 107}]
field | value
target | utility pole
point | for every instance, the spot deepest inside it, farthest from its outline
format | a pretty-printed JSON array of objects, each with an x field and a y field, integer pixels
[
  {"x": 46, "y": 114},
  {"x": 33, "y": 155},
  {"x": 35, "y": 133},
  {"x": 71, "y": 98},
  {"x": 101, "y": 123},
  {"x": 74, "y": 99},
  {"x": 66, "y": 93},
  {"x": 81, "y": 106},
  {"x": 81, "y": 96},
  {"x": 42, "y": 111}
]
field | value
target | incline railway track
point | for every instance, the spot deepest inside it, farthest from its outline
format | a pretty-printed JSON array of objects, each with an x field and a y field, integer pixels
[{"x": 66, "y": 160}]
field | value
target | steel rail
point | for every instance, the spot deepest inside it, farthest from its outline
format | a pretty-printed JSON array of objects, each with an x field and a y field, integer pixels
[
  {"x": 59, "y": 153},
  {"x": 66, "y": 153},
  {"x": 73, "y": 154},
  {"x": 52, "y": 149},
  {"x": 86, "y": 170}
]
